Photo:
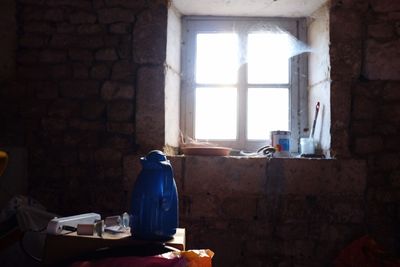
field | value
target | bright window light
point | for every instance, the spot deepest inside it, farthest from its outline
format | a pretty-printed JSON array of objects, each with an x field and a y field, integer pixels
[
  {"x": 217, "y": 58},
  {"x": 268, "y": 58},
  {"x": 241, "y": 80},
  {"x": 216, "y": 113},
  {"x": 267, "y": 110}
]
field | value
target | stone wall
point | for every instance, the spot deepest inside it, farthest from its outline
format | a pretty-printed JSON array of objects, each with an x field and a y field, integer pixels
[
  {"x": 365, "y": 96},
  {"x": 83, "y": 69},
  {"x": 259, "y": 212},
  {"x": 268, "y": 212},
  {"x": 89, "y": 97},
  {"x": 8, "y": 39}
]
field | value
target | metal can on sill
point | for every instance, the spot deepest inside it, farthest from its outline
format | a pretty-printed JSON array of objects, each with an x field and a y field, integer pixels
[{"x": 280, "y": 140}]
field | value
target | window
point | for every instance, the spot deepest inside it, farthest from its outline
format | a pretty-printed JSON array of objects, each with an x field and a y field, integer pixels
[{"x": 242, "y": 79}]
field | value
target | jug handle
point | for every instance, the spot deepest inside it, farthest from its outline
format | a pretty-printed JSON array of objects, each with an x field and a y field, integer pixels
[{"x": 166, "y": 199}]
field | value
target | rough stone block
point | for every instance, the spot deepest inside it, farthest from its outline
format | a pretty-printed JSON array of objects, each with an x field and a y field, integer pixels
[
  {"x": 32, "y": 41},
  {"x": 384, "y": 6},
  {"x": 83, "y": 55},
  {"x": 359, "y": 5},
  {"x": 98, "y": 4},
  {"x": 82, "y": 18},
  {"x": 33, "y": 111},
  {"x": 63, "y": 41},
  {"x": 384, "y": 128},
  {"x": 370, "y": 89},
  {"x": 36, "y": 2},
  {"x": 108, "y": 170},
  {"x": 318, "y": 177},
  {"x": 53, "y": 56},
  {"x": 100, "y": 72},
  {"x": 138, "y": 4},
  {"x": 32, "y": 73},
  {"x": 39, "y": 27},
  {"x": 150, "y": 31},
  {"x": 224, "y": 176},
  {"x": 27, "y": 56},
  {"x": 293, "y": 231},
  {"x": 64, "y": 108},
  {"x": 239, "y": 208},
  {"x": 348, "y": 19},
  {"x": 123, "y": 70},
  {"x": 345, "y": 210},
  {"x": 391, "y": 143},
  {"x": 391, "y": 113},
  {"x": 381, "y": 30},
  {"x": 32, "y": 13},
  {"x": 117, "y": 90},
  {"x": 84, "y": 4},
  {"x": 382, "y": 60},
  {"x": 346, "y": 58},
  {"x": 90, "y": 29},
  {"x": 60, "y": 71},
  {"x": 120, "y": 111},
  {"x": 93, "y": 109},
  {"x": 65, "y": 28},
  {"x": 369, "y": 145},
  {"x": 79, "y": 89},
  {"x": 106, "y": 54},
  {"x": 112, "y": 15},
  {"x": 124, "y": 47},
  {"x": 131, "y": 170},
  {"x": 90, "y": 41},
  {"x": 54, "y": 124},
  {"x": 80, "y": 71},
  {"x": 86, "y": 125},
  {"x": 83, "y": 140},
  {"x": 54, "y": 14},
  {"x": 362, "y": 128},
  {"x": 204, "y": 206},
  {"x": 119, "y": 142},
  {"x": 388, "y": 161},
  {"x": 177, "y": 163},
  {"x": 391, "y": 91},
  {"x": 365, "y": 108},
  {"x": 120, "y": 28},
  {"x": 111, "y": 40},
  {"x": 107, "y": 155},
  {"x": 44, "y": 89},
  {"x": 150, "y": 108},
  {"x": 121, "y": 127}
]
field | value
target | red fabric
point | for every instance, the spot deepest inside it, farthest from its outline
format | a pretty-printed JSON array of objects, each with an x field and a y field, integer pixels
[
  {"x": 132, "y": 262},
  {"x": 365, "y": 252}
]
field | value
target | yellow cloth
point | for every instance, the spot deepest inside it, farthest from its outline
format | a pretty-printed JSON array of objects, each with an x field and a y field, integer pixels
[{"x": 3, "y": 161}]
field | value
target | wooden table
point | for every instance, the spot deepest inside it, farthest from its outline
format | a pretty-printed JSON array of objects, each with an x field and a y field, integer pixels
[{"x": 70, "y": 246}]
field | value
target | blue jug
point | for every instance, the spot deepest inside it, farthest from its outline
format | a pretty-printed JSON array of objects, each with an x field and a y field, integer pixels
[{"x": 154, "y": 203}]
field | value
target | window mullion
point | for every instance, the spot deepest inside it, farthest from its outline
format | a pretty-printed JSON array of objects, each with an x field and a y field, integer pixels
[{"x": 242, "y": 91}]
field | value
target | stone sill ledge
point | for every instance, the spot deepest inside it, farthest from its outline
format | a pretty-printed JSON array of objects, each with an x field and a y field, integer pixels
[
  {"x": 251, "y": 157},
  {"x": 233, "y": 175}
]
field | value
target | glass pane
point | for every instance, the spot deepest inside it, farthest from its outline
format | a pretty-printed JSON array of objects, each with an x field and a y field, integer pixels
[
  {"x": 217, "y": 58},
  {"x": 268, "y": 110},
  {"x": 216, "y": 113},
  {"x": 268, "y": 57}
]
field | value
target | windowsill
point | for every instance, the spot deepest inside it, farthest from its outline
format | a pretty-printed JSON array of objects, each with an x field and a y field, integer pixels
[{"x": 251, "y": 157}]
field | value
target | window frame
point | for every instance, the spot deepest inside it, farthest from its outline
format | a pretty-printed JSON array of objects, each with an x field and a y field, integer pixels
[{"x": 298, "y": 115}]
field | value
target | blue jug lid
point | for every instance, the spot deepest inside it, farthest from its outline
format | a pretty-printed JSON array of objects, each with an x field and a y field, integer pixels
[
  {"x": 156, "y": 156},
  {"x": 153, "y": 160}
]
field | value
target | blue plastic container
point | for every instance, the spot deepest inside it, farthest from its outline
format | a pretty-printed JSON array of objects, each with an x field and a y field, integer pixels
[{"x": 154, "y": 203}]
